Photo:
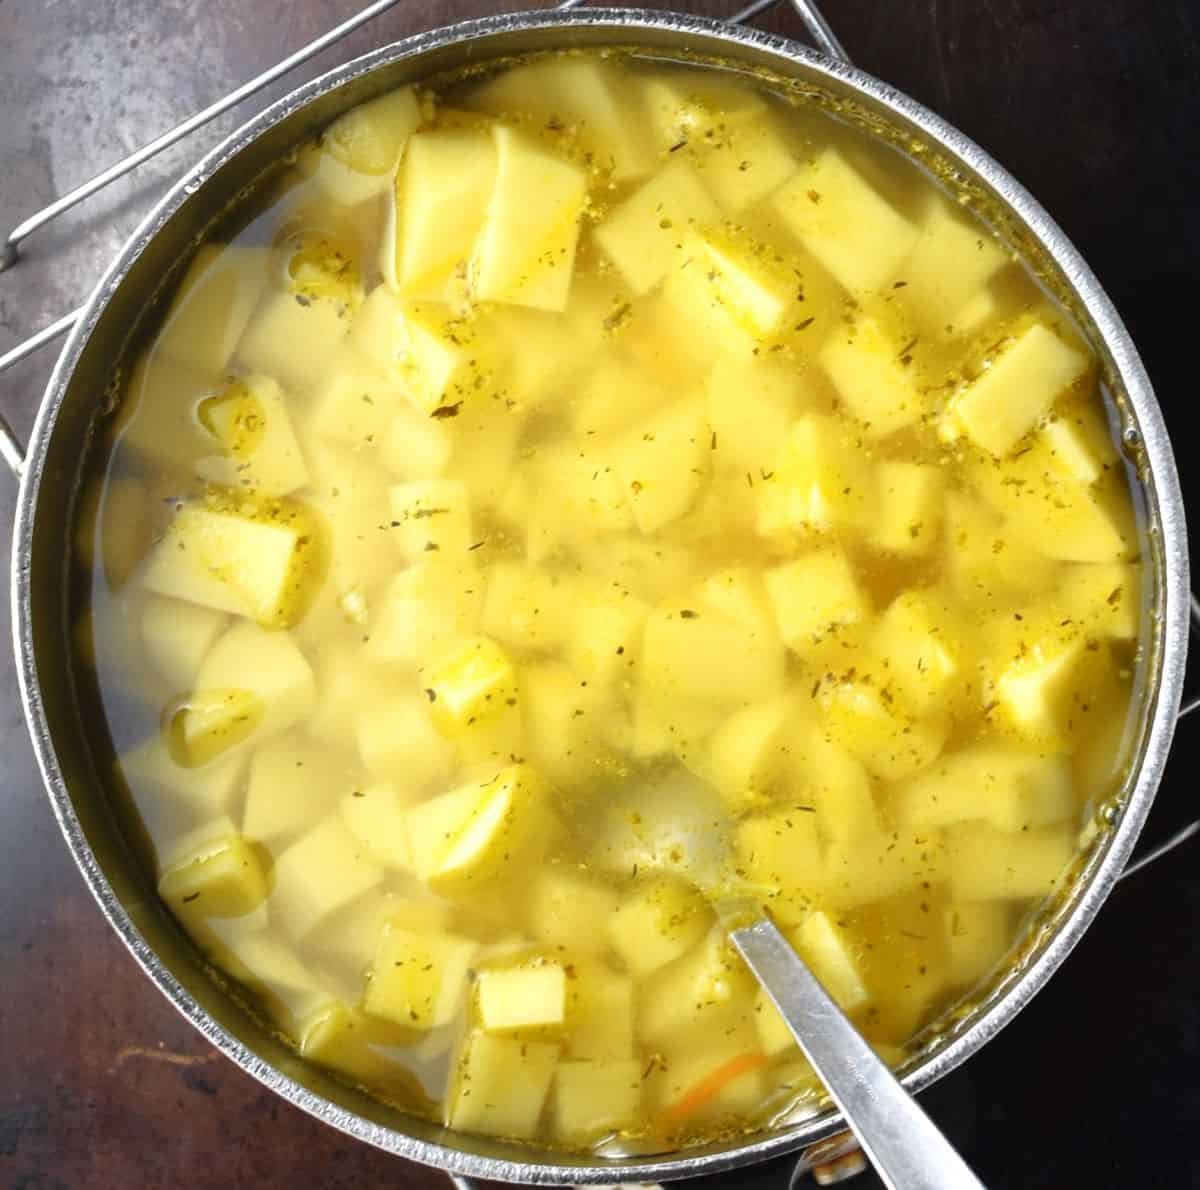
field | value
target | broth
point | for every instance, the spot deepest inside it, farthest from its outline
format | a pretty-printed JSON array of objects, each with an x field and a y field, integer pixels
[{"x": 570, "y": 497}]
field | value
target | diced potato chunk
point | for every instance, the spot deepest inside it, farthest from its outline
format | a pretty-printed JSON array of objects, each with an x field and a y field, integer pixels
[
  {"x": 351, "y": 936},
  {"x": 212, "y": 306},
  {"x": 241, "y": 560},
  {"x": 292, "y": 783},
  {"x": 415, "y": 446},
  {"x": 599, "y": 1013},
  {"x": 663, "y": 464},
  {"x": 355, "y": 404},
  {"x": 603, "y": 641},
  {"x": 1011, "y": 790},
  {"x": 594, "y": 1098},
  {"x": 432, "y": 516},
  {"x": 370, "y": 137},
  {"x": 341, "y": 1038},
  {"x": 526, "y": 251},
  {"x": 250, "y": 421},
  {"x": 689, "y": 1063},
  {"x": 115, "y": 517},
  {"x": 845, "y": 222},
  {"x": 223, "y": 878},
  {"x": 921, "y": 653},
  {"x": 885, "y": 864},
  {"x": 741, "y": 277},
  {"x": 530, "y": 995},
  {"x": 830, "y": 952},
  {"x": 1104, "y": 598},
  {"x": 499, "y": 1085},
  {"x": 814, "y": 597},
  {"x": 774, "y": 1036},
  {"x": 442, "y": 191},
  {"x": 976, "y": 934},
  {"x": 480, "y": 832},
  {"x": 526, "y": 607},
  {"x": 157, "y": 418},
  {"x": 891, "y": 743},
  {"x": 692, "y": 105},
  {"x": 867, "y": 367},
  {"x": 569, "y": 910},
  {"x": 323, "y": 870},
  {"x": 295, "y": 339},
  {"x": 475, "y": 699},
  {"x": 985, "y": 864},
  {"x": 779, "y": 854},
  {"x": 746, "y": 163},
  {"x": 376, "y": 816},
  {"x": 909, "y": 503},
  {"x": 999, "y": 408},
  {"x": 751, "y": 402},
  {"x": 701, "y": 654},
  {"x": 425, "y": 609},
  {"x": 164, "y": 790},
  {"x": 398, "y": 742},
  {"x": 642, "y": 236},
  {"x": 749, "y": 754},
  {"x": 177, "y": 637},
  {"x": 587, "y": 98},
  {"x": 661, "y": 918},
  {"x": 418, "y": 980},
  {"x": 837, "y": 786},
  {"x": 567, "y": 724}
]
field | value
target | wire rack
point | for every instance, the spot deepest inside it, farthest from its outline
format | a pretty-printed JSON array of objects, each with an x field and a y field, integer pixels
[{"x": 11, "y": 449}]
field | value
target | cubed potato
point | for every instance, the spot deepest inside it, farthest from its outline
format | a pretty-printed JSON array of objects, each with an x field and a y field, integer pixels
[
  {"x": 354, "y": 403},
  {"x": 884, "y": 864},
  {"x": 269, "y": 667},
  {"x": 589, "y": 100},
  {"x": 750, "y": 403},
  {"x": 695, "y": 105},
  {"x": 325, "y": 869},
  {"x": 177, "y": 637},
  {"x": 225, "y": 877},
  {"x": 604, "y": 638},
  {"x": 614, "y": 395},
  {"x": 679, "y": 1084},
  {"x": 569, "y": 910},
  {"x": 376, "y": 815},
  {"x": 836, "y": 784},
  {"x": 251, "y": 561},
  {"x": 341, "y": 1038},
  {"x": 875, "y": 380},
  {"x": 525, "y": 254},
  {"x": 498, "y": 1085},
  {"x": 294, "y": 339},
  {"x": 431, "y": 516},
  {"x": 745, "y": 163},
  {"x": 528, "y": 995},
  {"x": 864, "y": 719},
  {"x": 399, "y": 744},
  {"x": 1102, "y": 597},
  {"x": 919, "y": 647},
  {"x": 834, "y": 957},
  {"x": 663, "y": 464},
  {"x": 742, "y": 277},
  {"x": 985, "y": 864},
  {"x": 987, "y": 563},
  {"x": 774, "y": 1036},
  {"x": 839, "y": 217},
  {"x": 482, "y": 832},
  {"x": 659, "y": 919},
  {"x": 418, "y": 980},
  {"x": 1012, "y": 790},
  {"x": 591, "y": 1099},
  {"x": 292, "y": 783},
  {"x": 642, "y": 236},
  {"x": 820, "y": 480},
  {"x": 424, "y": 348},
  {"x": 476, "y": 700},
  {"x": 690, "y": 652},
  {"x": 414, "y": 446},
  {"x": 442, "y": 191},
  {"x": 976, "y": 935},
  {"x": 909, "y": 500},
  {"x": 814, "y": 597},
  {"x": 269, "y": 964},
  {"x": 749, "y": 754},
  {"x": 700, "y": 990},
  {"x": 526, "y": 607},
  {"x": 952, "y": 260},
  {"x": 779, "y": 854},
  {"x": 424, "y": 610},
  {"x": 1008, "y": 399},
  {"x": 370, "y": 138},
  {"x": 210, "y": 309},
  {"x": 165, "y": 791},
  {"x": 351, "y": 936},
  {"x": 116, "y": 525},
  {"x": 260, "y": 454},
  {"x": 599, "y": 1013},
  {"x": 156, "y": 419},
  {"x": 567, "y": 724},
  {"x": 210, "y": 722},
  {"x": 1078, "y": 440},
  {"x": 581, "y": 491}
]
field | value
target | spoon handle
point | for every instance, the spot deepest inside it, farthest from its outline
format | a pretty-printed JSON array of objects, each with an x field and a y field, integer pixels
[{"x": 905, "y": 1146}]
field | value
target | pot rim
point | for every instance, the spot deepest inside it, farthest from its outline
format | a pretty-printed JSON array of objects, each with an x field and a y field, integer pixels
[{"x": 1165, "y": 685}]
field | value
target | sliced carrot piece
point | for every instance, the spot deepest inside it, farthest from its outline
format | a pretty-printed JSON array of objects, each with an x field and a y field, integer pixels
[{"x": 710, "y": 1086}]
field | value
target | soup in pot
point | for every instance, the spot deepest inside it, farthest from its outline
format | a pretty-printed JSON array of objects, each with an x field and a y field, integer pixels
[{"x": 573, "y": 495}]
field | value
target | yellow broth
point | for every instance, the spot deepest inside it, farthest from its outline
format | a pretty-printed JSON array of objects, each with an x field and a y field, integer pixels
[{"x": 574, "y": 496}]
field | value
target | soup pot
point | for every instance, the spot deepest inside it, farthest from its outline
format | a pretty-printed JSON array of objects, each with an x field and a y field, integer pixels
[{"x": 55, "y": 704}]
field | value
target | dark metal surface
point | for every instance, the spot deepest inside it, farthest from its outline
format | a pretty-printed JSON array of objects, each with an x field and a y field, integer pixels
[{"x": 72, "y": 1005}]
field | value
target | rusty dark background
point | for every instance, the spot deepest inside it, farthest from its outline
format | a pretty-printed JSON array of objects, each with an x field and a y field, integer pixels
[{"x": 1094, "y": 104}]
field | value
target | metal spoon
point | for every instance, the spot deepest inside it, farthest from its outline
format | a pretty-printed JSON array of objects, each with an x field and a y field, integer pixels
[{"x": 905, "y": 1146}]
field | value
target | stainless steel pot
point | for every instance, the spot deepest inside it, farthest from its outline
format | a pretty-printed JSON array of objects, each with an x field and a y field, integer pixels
[{"x": 50, "y": 472}]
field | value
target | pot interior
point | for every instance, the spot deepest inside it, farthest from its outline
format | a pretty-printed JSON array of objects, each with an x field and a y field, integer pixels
[{"x": 63, "y": 708}]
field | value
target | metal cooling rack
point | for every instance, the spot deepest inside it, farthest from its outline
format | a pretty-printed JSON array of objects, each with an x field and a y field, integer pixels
[{"x": 11, "y": 450}]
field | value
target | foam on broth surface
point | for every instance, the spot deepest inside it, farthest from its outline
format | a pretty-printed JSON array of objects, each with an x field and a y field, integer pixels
[{"x": 576, "y": 494}]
